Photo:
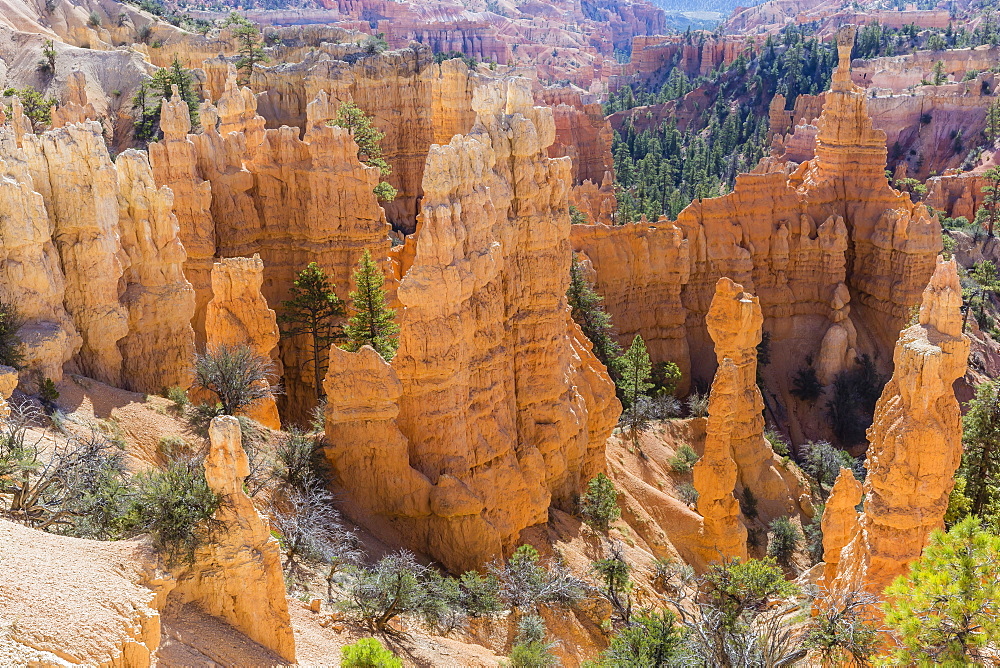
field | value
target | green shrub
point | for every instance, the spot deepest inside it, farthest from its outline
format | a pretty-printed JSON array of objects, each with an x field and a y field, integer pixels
[
  {"x": 531, "y": 649},
  {"x": 651, "y": 639},
  {"x": 11, "y": 351},
  {"x": 852, "y": 406},
  {"x": 599, "y": 506},
  {"x": 525, "y": 582},
  {"x": 735, "y": 586},
  {"x": 777, "y": 442},
  {"x": 368, "y": 653},
  {"x": 176, "y": 507},
  {"x": 94, "y": 20},
  {"x": 48, "y": 394},
  {"x": 688, "y": 493},
  {"x": 697, "y": 403},
  {"x": 294, "y": 459},
  {"x": 684, "y": 459},
  {"x": 238, "y": 376},
  {"x": 179, "y": 396},
  {"x": 480, "y": 594},
  {"x": 785, "y": 538}
]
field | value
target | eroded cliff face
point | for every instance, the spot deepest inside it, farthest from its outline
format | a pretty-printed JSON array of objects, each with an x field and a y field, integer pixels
[
  {"x": 96, "y": 269},
  {"x": 828, "y": 247},
  {"x": 243, "y": 190},
  {"x": 916, "y": 444},
  {"x": 238, "y": 576},
  {"x": 495, "y": 401}
]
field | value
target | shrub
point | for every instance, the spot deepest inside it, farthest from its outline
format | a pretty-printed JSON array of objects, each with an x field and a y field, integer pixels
[
  {"x": 176, "y": 506},
  {"x": 179, "y": 396},
  {"x": 480, "y": 594},
  {"x": 665, "y": 377},
  {"x": 684, "y": 459},
  {"x": 311, "y": 529},
  {"x": 531, "y": 649},
  {"x": 94, "y": 20},
  {"x": 688, "y": 493},
  {"x": 665, "y": 407},
  {"x": 697, "y": 403},
  {"x": 737, "y": 586},
  {"x": 814, "y": 534},
  {"x": 806, "y": 385},
  {"x": 650, "y": 639},
  {"x": 11, "y": 352},
  {"x": 238, "y": 376},
  {"x": 785, "y": 538},
  {"x": 615, "y": 580},
  {"x": 823, "y": 462},
  {"x": 525, "y": 582},
  {"x": 394, "y": 586},
  {"x": 368, "y": 653},
  {"x": 599, "y": 506},
  {"x": 843, "y": 631},
  {"x": 777, "y": 442},
  {"x": 47, "y": 393},
  {"x": 294, "y": 459}
]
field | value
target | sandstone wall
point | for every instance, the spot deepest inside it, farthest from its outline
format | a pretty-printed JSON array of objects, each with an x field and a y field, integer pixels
[
  {"x": 94, "y": 265},
  {"x": 916, "y": 443},
  {"x": 502, "y": 408}
]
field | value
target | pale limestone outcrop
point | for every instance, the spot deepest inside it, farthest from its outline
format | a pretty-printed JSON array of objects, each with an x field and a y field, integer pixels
[
  {"x": 72, "y": 170},
  {"x": 237, "y": 576},
  {"x": 30, "y": 273},
  {"x": 840, "y": 521},
  {"x": 159, "y": 348},
  {"x": 175, "y": 165},
  {"x": 502, "y": 409},
  {"x": 916, "y": 442},
  {"x": 238, "y": 315}
]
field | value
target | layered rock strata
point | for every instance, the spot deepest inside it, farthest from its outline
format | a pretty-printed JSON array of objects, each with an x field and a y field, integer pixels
[
  {"x": 94, "y": 265},
  {"x": 237, "y": 576},
  {"x": 496, "y": 407},
  {"x": 825, "y": 245},
  {"x": 159, "y": 347},
  {"x": 238, "y": 316},
  {"x": 916, "y": 443}
]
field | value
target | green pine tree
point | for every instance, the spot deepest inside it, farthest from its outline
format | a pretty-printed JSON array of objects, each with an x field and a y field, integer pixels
[
  {"x": 635, "y": 369},
  {"x": 943, "y": 612},
  {"x": 373, "y": 323},
  {"x": 251, "y": 53},
  {"x": 150, "y": 95},
  {"x": 313, "y": 309},
  {"x": 368, "y": 138},
  {"x": 989, "y": 213},
  {"x": 587, "y": 311}
]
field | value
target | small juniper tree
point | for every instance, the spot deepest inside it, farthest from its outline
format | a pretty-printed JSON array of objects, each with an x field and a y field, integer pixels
[
  {"x": 599, "y": 506},
  {"x": 314, "y": 310},
  {"x": 373, "y": 323},
  {"x": 11, "y": 352},
  {"x": 251, "y": 53},
  {"x": 37, "y": 107},
  {"x": 587, "y": 311}
]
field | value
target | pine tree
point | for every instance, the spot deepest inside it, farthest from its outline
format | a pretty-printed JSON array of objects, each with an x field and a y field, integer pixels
[
  {"x": 939, "y": 74},
  {"x": 944, "y": 611},
  {"x": 149, "y": 98},
  {"x": 635, "y": 369},
  {"x": 314, "y": 310},
  {"x": 251, "y": 54},
  {"x": 373, "y": 323},
  {"x": 993, "y": 121},
  {"x": 989, "y": 212},
  {"x": 368, "y": 138},
  {"x": 981, "y": 438},
  {"x": 587, "y": 311}
]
